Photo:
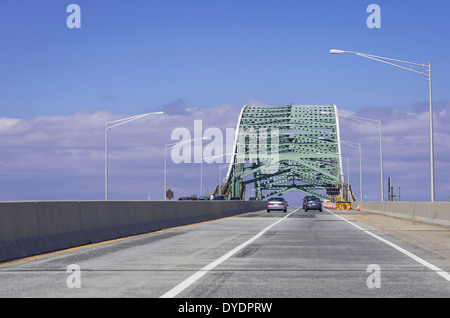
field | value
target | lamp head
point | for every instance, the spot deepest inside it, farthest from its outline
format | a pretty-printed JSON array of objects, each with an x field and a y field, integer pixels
[{"x": 333, "y": 51}]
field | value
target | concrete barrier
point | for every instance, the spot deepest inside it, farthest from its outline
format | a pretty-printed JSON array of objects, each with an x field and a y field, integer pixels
[
  {"x": 428, "y": 212},
  {"x": 59, "y": 226},
  {"x": 18, "y": 227},
  {"x": 31, "y": 228}
]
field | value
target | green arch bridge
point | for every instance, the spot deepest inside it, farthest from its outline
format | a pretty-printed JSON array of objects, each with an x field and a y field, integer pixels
[{"x": 284, "y": 148}]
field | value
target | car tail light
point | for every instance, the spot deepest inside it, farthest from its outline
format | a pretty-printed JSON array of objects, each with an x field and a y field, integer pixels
[{"x": 269, "y": 203}]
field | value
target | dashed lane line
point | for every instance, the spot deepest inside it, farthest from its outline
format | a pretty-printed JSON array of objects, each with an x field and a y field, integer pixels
[
  {"x": 434, "y": 268},
  {"x": 192, "y": 279}
]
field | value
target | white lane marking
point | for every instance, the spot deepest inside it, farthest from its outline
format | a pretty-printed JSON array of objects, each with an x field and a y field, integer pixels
[
  {"x": 434, "y": 268},
  {"x": 192, "y": 279}
]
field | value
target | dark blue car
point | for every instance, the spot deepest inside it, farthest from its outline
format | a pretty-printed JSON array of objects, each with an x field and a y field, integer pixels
[{"x": 313, "y": 203}]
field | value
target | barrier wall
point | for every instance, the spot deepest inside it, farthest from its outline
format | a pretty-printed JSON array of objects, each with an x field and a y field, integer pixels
[
  {"x": 31, "y": 228},
  {"x": 428, "y": 212}
]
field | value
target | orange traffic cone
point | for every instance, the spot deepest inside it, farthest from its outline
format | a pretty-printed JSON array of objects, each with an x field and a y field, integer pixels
[{"x": 358, "y": 208}]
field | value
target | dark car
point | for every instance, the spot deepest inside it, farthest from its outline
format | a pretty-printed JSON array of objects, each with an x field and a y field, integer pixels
[
  {"x": 235, "y": 198},
  {"x": 188, "y": 199},
  {"x": 306, "y": 199},
  {"x": 277, "y": 203},
  {"x": 219, "y": 197},
  {"x": 313, "y": 204}
]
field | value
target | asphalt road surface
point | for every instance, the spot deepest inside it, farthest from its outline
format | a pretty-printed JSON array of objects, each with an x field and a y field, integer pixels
[{"x": 253, "y": 255}]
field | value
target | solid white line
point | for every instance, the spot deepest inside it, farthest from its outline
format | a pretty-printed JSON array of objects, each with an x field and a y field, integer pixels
[
  {"x": 192, "y": 279},
  {"x": 436, "y": 269}
]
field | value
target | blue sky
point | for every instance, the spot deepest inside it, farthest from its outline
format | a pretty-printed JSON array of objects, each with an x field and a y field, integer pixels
[{"x": 132, "y": 57}]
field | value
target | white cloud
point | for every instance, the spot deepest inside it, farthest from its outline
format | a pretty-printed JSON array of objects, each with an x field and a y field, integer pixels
[
  {"x": 405, "y": 151},
  {"x": 62, "y": 157}
]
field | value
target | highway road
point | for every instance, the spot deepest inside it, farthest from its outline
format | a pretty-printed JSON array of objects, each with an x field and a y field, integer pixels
[{"x": 254, "y": 255}]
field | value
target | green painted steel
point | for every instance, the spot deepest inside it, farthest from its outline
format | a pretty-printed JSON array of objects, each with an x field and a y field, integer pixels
[{"x": 283, "y": 148}]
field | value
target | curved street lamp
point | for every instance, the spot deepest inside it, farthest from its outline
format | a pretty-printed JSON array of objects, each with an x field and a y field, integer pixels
[
  {"x": 427, "y": 74},
  {"x": 178, "y": 144},
  {"x": 110, "y": 125}
]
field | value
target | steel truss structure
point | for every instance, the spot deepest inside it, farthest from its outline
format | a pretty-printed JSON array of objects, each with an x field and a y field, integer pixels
[{"x": 284, "y": 148}]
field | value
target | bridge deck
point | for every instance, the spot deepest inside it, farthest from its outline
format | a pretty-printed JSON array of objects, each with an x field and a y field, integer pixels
[{"x": 298, "y": 254}]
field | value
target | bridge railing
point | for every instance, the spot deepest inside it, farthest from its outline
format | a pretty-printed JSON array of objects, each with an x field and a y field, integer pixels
[
  {"x": 31, "y": 228},
  {"x": 428, "y": 212}
]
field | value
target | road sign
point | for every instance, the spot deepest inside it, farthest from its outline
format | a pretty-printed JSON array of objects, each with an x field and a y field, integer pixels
[
  {"x": 333, "y": 191},
  {"x": 169, "y": 194}
]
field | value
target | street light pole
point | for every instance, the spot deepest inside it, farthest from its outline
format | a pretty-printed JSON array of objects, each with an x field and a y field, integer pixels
[
  {"x": 431, "y": 137},
  {"x": 171, "y": 146},
  {"x": 389, "y": 61},
  {"x": 110, "y": 125},
  {"x": 360, "y": 174},
  {"x": 208, "y": 159},
  {"x": 355, "y": 145},
  {"x": 381, "y": 163},
  {"x": 376, "y": 123}
]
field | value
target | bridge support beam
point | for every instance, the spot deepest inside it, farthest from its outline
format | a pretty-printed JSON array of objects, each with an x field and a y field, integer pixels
[{"x": 286, "y": 148}]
